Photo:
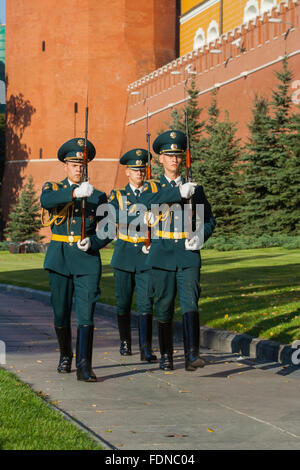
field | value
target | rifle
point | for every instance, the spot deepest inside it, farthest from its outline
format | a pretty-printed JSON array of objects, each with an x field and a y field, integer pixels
[
  {"x": 85, "y": 168},
  {"x": 188, "y": 172},
  {"x": 148, "y": 135}
]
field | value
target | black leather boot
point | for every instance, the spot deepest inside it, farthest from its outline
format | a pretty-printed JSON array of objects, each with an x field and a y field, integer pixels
[
  {"x": 191, "y": 341},
  {"x": 84, "y": 349},
  {"x": 165, "y": 338},
  {"x": 125, "y": 334},
  {"x": 145, "y": 335},
  {"x": 64, "y": 337}
]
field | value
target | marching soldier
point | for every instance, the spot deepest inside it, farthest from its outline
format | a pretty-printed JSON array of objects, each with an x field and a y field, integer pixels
[
  {"x": 73, "y": 265},
  {"x": 129, "y": 258},
  {"x": 175, "y": 259}
]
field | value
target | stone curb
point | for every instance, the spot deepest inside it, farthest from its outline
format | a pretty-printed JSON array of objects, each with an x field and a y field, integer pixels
[{"x": 211, "y": 338}]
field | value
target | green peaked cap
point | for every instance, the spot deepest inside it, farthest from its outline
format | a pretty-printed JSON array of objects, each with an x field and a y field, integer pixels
[
  {"x": 172, "y": 141},
  {"x": 72, "y": 151},
  {"x": 136, "y": 158}
]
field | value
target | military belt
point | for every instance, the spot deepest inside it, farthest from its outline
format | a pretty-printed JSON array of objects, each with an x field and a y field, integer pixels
[
  {"x": 172, "y": 235},
  {"x": 65, "y": 238},
  {"x": 126, "y": 238}
]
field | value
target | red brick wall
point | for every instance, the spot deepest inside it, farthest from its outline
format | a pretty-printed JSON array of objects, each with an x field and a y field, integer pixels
[
  {"x": 238, "y": 81},
  {"x": 110, "y": 44}
]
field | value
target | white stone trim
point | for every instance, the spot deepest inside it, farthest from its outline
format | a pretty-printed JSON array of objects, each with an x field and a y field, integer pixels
[
  {"x": 267, "y": 5},
  {"x": 197, "y": 42},
  {"x": 251, "y": 4},
  {"x": 189, "y": 15},
  {"x": 44, "y": 160},
  {"x": 213, "y": 25}
]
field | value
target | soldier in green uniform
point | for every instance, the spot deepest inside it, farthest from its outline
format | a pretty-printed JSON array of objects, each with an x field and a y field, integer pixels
[
  {"x": 175, "y": 259},
  {"x": 130, "y": 254},
  {"x": 74, "y": 266}
]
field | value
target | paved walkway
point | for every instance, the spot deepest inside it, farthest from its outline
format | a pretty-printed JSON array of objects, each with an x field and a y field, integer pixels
[{"x": 232, "y": 403}]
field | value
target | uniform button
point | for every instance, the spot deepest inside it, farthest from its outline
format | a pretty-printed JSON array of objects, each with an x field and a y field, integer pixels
[
  {"x": 76, "y": 210},
  {"x": 176, "y": 229},
  {"x": 71, "y": 244},
  {"x": 73, "y": 221},
  {"x": 136, "y": 244},
  {"x": 176, "y": 217},
  {"x": 176, "y": 241},
  {"x": 72, "y": 233}
]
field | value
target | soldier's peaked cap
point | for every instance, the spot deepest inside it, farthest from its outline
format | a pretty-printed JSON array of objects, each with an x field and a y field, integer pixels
[
  {"x": 172, "y": 141},
  {"x": 72, "y": 151},
  {"x": 135, "y": 159}
]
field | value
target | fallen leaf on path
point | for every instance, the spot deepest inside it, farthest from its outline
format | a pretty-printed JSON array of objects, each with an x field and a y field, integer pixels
[
  {"x": 210, "y": 430},
  {"x": 184, "y": 391}
]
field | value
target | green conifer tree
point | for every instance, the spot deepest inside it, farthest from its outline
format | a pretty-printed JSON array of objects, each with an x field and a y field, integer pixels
[
  {"x": 24, "y": 220},
  {"x": 195, "y": 128},
  {"x": 221, "y": 152},
  {"x": 270, "y": 189},
  {"x": 259, "y": 172},
  {"x": 280, "y": 188}
]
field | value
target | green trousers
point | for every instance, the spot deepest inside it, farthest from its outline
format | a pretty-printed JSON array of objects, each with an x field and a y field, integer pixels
[
  {"x": 166, "y": 284},
  {"x": 125, "y": 283},
  {"x": 86, "y": 291}
]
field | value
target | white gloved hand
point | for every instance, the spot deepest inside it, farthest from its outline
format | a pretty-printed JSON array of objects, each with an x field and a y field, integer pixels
[
  {"x": 86, "y": 189},
  {"x": 85, "y": 244},
  {"x": 149, "y": 218},
  {"x": 146, "y": 250},
  {"x": 193, "y": 244},
  {"x": 187, "y": 190}
]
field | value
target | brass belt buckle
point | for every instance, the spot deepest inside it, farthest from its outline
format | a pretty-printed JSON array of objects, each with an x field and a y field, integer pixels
[{"x": 71, "y": 238}]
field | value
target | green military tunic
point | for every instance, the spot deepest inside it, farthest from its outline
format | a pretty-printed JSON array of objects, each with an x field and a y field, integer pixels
[
  {"x": 129, "y": 261},
  {"x": 173, "y": 267},
  {"x": 70, "y": 268}
]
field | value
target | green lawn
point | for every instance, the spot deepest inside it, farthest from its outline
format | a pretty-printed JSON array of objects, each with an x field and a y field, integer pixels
[
  {"x": 249, "y": 291},
  {"x": 28, "y": 423}
]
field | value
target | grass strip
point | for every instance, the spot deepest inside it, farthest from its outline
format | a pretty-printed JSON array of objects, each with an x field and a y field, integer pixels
[
  {"x": 248, "y": 291},
  {"x": 28, "y": 423}
]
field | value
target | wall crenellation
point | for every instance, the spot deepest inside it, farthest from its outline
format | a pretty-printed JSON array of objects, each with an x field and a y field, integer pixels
[{"x": 231, "y": 45}]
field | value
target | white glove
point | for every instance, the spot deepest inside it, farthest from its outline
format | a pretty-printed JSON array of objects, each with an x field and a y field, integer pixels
[
  {"x": 193, "y": 244},
  {"x": 187, "y": 190},
  {"x": 149, "y": 218},
  {"x": 146, "y": 250},
  {"x": 84, "y": 190},
  {"x": 85, "y": 244}
]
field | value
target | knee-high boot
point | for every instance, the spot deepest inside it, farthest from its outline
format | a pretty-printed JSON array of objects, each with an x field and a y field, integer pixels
[
  {"x": 191, "y": 341},
  {"x": 64, "y": 337},
  {"x": 84, "y": 350},
  {"x": 145, "y": 336},
  {"x": 165, "y": 338},
  {"x": 125, "y": 334}
]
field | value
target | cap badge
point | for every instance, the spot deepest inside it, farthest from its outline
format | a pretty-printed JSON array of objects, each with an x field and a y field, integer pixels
[
  {"x": 79, "y": 154},
  {"x": 80, "y": 142},
  {"x": 139, "y": 162},
  {"x": 173, "y": 135},
  {"x": 139, "y": 153},
  {"x": 174, "y": 147}
]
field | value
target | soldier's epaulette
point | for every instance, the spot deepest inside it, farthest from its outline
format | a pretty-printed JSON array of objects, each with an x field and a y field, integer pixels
[
  {"x": 51, "y": 185},
  {"x": 153, "y": 185},
  {"x": 119, "y": 195},
  {"x": 152, "y": 179}
]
